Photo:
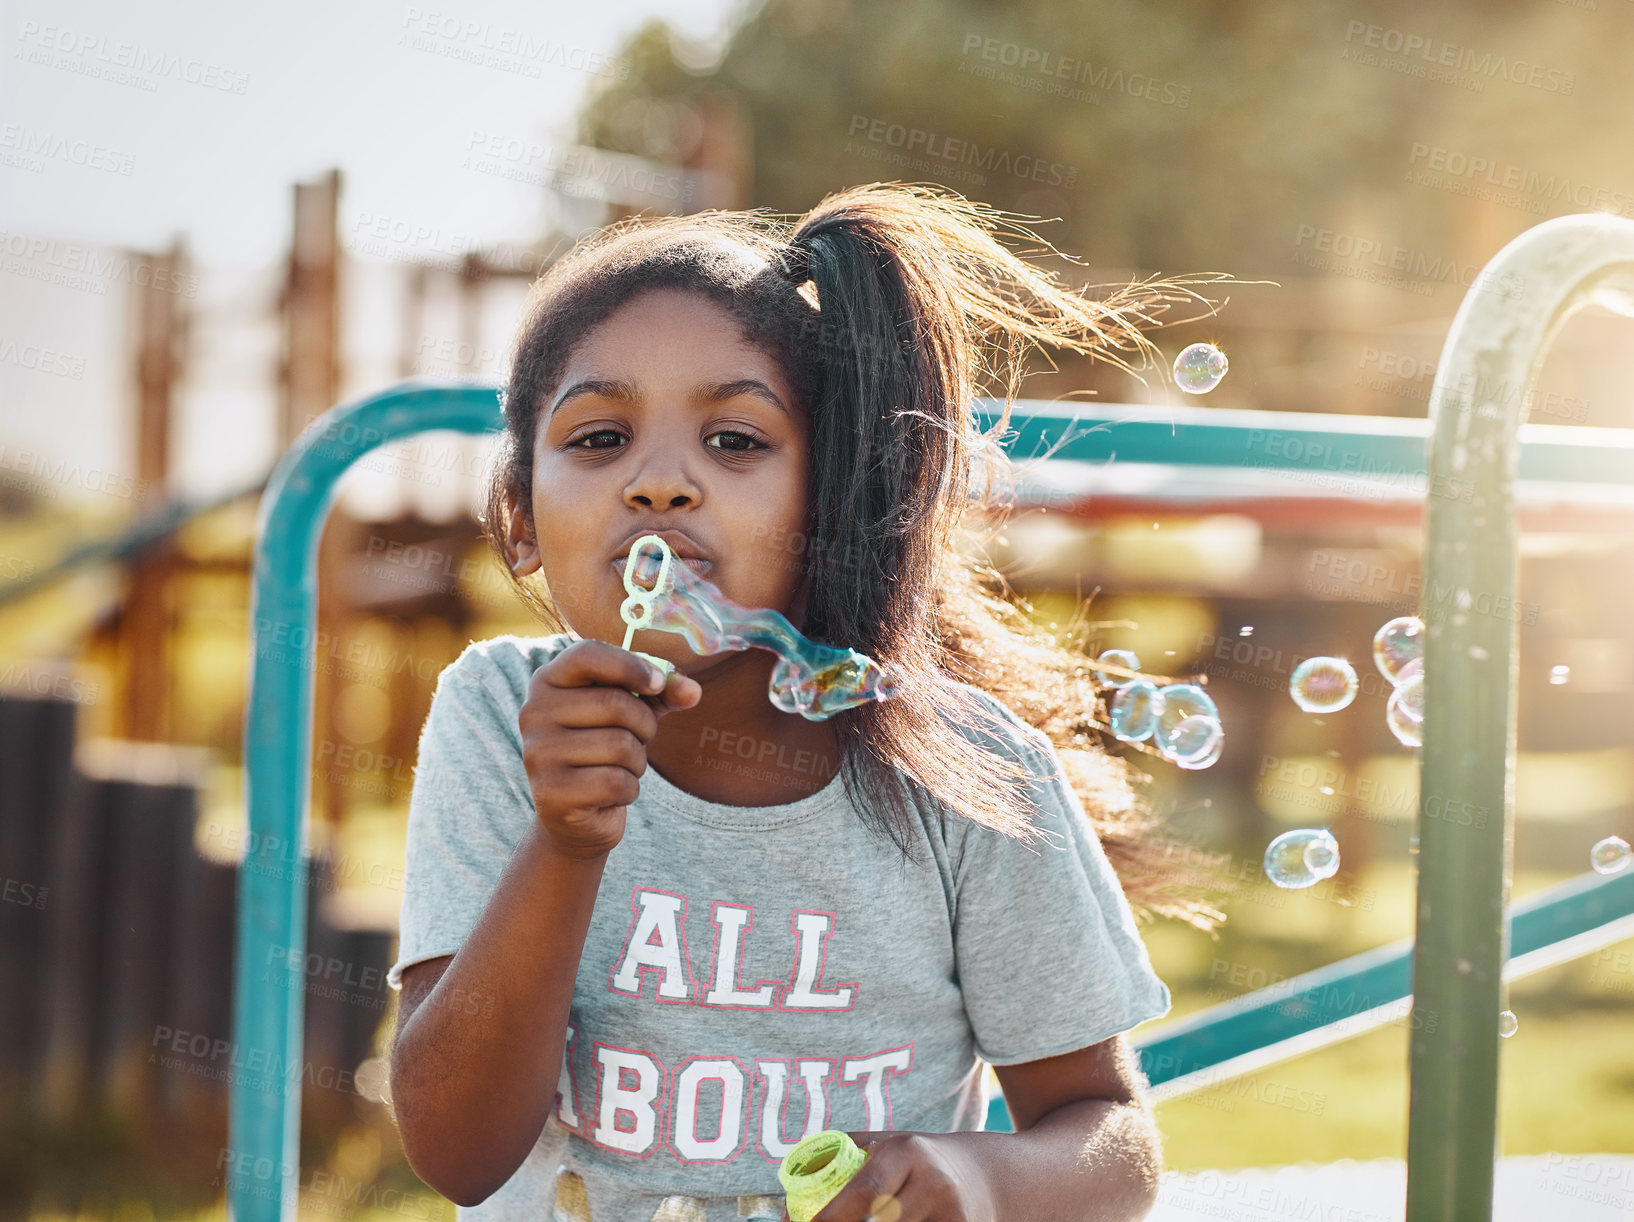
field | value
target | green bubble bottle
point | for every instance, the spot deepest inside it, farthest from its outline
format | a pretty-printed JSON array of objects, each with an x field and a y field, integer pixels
[{"x": 815, "y": 1170}]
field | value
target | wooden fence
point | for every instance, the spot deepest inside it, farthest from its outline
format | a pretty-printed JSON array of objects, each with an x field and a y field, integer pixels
[{"x": 116, "y": 966}]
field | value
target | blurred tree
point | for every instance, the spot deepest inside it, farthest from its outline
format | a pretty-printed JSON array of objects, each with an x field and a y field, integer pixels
[
  {"x": 1187, "y": 136},
  {"x": 1176, "y": 137}
]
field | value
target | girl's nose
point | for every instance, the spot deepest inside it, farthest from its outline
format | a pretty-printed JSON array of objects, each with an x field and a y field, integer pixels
[
  {"x": 676, "y": 501},
  {"x": 662, "y": 486}
]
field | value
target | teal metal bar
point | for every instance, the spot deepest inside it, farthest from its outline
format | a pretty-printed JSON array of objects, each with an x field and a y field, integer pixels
[
  {"x": 1359, "y": 994},
  {"x": 1353, "y": 447},
  {"x": 265, "y": 1109},
  {"x": 1496, "y": 346},
  {"x": 264, "y": 1114}
]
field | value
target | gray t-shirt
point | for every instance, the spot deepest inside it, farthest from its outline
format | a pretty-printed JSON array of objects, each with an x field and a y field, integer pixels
[{"x": 754, "y": 974}]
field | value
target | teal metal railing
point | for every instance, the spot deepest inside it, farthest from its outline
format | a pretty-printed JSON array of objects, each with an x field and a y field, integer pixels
[
  {"x": 1497, "y": 340},
  {"x": 1487, "y": 450}
]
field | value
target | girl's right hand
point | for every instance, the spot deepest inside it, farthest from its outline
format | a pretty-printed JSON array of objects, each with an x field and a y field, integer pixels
[{"x": 585, "y": 736}]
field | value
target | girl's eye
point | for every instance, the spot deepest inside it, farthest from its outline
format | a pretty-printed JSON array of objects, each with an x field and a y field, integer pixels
[
  {"x": 598, "y": 433},
  {"x": 753, "y": 443}
]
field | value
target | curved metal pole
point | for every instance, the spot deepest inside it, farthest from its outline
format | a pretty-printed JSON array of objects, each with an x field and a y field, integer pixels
[
  {"x": 1466, "y": 798},
  {"x": 262, "y": 1159}
]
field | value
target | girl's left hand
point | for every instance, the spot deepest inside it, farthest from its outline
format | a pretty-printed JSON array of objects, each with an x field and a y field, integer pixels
[{"x": 910, "y": 1177}]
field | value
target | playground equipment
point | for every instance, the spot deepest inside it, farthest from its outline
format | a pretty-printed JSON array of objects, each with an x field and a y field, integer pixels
[{"x": 1464, "y": 931}]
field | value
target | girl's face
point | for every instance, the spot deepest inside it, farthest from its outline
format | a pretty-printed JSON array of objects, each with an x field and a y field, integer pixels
[{"x": 666, "y": 419}]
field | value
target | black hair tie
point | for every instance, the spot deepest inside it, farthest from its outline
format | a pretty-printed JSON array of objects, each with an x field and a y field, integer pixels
[{"x": 794, "y": 264}]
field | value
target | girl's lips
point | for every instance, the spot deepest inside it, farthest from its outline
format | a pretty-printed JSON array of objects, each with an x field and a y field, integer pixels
[{"x": 700, "y": 567}]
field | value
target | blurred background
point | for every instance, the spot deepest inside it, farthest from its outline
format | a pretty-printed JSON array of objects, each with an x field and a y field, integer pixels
[{"x": 214, "y": 226}]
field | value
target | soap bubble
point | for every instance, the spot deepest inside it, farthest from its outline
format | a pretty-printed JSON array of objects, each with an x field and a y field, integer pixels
[
  {"x": 1409, "y": 694},
  {"x": 1199, "y": 368},
  {"x": 1134, "y": 711},
  {"x": 1322, "y": 856},
  {"x": 1609, "y": 855},
  {"x": 1409, "y": 731},
  {"x": 1196, "y": 742},
  {"x": 1117, "y": 657},
  {"x": 1508, "y": 1024},
  {"x": 1396, "y": 644},
  {"x": 1180, "y": 701},
  {"x": 1302, "y": 858},
  {"x": 1559, "y": 674},
  {"x": 1323, "y": 685},
  {"x": 1404, "y": 713},
  {"x": 1415, "y": 667}
]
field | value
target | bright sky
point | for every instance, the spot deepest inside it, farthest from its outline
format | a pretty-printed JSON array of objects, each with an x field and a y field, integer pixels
[
  {"x": 122, "y": 124},
  {"x": 386, "y": 90}
]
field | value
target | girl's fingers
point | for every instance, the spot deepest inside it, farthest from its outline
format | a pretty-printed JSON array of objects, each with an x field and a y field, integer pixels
[
  {"x": 680, "y": 692},
  {"x": 876, "y": 1195}
]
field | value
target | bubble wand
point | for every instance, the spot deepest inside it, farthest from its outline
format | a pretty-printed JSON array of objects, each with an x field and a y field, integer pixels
[{"x": 813, "y": 680}]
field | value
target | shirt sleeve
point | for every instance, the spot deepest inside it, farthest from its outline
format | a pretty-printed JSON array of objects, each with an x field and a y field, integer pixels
[
  {"x": 470, "y": 806},
  {"x": 1048, "y": 953}
]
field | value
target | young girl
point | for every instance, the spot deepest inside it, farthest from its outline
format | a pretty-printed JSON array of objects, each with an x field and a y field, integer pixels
[{"x": 649, "y": 942}]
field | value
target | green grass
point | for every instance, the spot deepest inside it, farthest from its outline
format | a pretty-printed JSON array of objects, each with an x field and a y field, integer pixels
[{"x": 1566, "y": 1077}]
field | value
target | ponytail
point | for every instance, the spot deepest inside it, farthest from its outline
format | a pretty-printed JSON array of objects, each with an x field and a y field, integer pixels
[{"x": 921, "y": 308}]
